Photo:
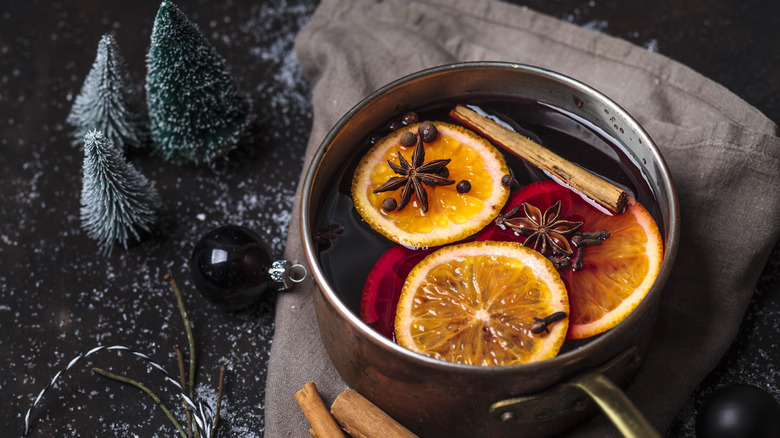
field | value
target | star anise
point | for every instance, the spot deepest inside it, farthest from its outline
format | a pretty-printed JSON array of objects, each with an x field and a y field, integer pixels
[
  {"x": 541, "y": 229},
  {"x": 414, "y": 174}
]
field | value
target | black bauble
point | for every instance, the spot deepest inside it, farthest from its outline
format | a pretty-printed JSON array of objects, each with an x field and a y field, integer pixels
[
  {"x": 230, "y": 265},
  {"x": 739, "y": 411}
]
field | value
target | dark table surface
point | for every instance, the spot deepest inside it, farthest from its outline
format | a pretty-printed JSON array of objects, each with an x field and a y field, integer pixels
[{"x": 59, "y": 297}]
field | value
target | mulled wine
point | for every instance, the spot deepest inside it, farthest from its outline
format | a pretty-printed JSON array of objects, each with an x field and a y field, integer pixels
[{"x": 348, "y": 257}]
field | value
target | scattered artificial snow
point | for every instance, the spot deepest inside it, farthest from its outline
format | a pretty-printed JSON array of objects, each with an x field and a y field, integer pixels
[
  {"x": 598, "y": 25},
  {"x": 652, "y": 45},
  {"x": 63, "y": 298}
]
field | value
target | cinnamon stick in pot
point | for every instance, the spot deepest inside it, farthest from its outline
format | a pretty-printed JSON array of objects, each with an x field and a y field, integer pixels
[{"x": 591, "y": 185}]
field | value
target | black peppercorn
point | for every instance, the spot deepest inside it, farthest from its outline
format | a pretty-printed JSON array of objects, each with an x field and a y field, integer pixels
[
  {"x": 463, "y": 186},
  {"x": 410, "y": 118},
  {"x": 506, "y": 180},
  {"x": 389, "y": 204},
  {"x": 408, "y": 139},
  {"x": 428, "y": 132}
]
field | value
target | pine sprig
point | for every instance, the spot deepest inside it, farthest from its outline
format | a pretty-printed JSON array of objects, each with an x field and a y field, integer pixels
[
  {"x": 196, "y": 112},
  {"x": 143, "y": 388},
  {"x": 190, "y": 338},
  {"x": 117, "y": 201},
  {"x": 109, "y": 103}
]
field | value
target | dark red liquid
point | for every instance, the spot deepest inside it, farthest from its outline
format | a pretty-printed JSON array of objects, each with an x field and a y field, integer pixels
[{"x": 348, "y": 259}]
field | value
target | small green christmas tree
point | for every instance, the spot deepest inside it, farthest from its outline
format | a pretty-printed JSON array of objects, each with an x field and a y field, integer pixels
[
  {"x": 109, "y": 103},
  {"x": 116, "y": 199},
  {"x": 196, "y": 112}
]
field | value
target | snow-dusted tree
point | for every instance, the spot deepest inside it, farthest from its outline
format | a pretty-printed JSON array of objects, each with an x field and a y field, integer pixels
[
  {"x": 109, "y": 103},
  {"x": 195, "y": 110},
  {"x": 117, "y": 201}
]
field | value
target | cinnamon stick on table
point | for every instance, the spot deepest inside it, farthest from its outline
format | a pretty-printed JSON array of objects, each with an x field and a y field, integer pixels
[
  {"x": 322, "y": 423},
  {"x": 362, "y": 419},
  {"x": 591, "y": 185}
]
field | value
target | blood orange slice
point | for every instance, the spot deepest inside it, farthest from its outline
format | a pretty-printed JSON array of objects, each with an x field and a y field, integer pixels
[{"x": 383, "y": 287}]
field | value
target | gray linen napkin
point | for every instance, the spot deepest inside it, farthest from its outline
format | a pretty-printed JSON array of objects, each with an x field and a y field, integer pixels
[{"x": 724, "y": 156}]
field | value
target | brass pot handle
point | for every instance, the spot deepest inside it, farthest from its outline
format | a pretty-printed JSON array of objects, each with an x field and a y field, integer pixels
[
  {"x": 578, "y": 394},
  {"x": 616, "y": 406}
]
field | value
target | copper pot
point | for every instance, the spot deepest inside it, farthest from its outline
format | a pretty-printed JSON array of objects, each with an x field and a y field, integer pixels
[{"x": 435, "y": 398}]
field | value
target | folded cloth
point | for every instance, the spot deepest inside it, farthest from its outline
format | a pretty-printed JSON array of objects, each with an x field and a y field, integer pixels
[{"x": 723, "y": 154}]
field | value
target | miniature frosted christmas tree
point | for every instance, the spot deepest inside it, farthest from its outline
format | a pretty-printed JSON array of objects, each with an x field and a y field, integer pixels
[
  {"x": 109, "y": 103},
  {"x": 117, "y": 201},
  {"x": 196, "y": 112}
]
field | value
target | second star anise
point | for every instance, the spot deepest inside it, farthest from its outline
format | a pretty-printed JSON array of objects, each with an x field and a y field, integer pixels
[
  {"x": 541, "y": 229},
  {"x": 413, "y": 175}
]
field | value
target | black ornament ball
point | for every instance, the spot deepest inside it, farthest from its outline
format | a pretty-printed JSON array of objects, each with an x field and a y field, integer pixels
[
  {"x": 229, "y": 266},
  {"x": 739, "y": 411}
]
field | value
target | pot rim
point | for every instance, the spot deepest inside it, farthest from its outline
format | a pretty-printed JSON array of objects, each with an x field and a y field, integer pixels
[{"x": 670, "y": 239}]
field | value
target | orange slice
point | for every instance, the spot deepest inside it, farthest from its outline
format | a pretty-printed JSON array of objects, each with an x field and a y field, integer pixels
[
  {"x": 476, "y": 303},
  {"x": 451, "y": 215},
  {"x": 616, "y": 275}
]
